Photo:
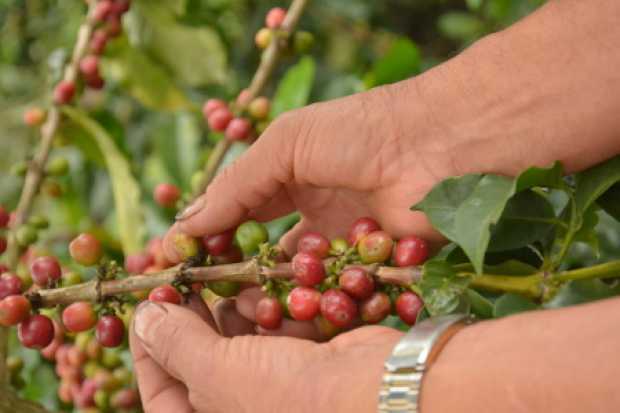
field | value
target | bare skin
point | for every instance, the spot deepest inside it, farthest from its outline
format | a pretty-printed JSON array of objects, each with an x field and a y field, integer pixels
[{"x": 545, "y": 89}]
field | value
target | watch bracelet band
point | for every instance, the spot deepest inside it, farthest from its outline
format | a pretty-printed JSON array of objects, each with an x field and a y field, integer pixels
[{"x": 402, "y": 381}]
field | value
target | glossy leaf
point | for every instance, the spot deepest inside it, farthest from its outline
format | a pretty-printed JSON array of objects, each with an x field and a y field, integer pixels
[
  {"x": 442, "y": 289},
  {"x": 293, "y": 91},
  {"x": 510, "y": 303},
  {"x": 594, "y": 182},
  {"x": 610, "y": 201},
  {"x": 402, "y": 60},
  {"x": 582, "y": 291},
  {"x": 480, "y": 306}
]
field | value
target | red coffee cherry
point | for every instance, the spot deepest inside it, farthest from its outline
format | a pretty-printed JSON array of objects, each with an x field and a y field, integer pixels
[
  {"x": 138, "y": 263},
  {"x": 219, "y": 244},
  {"x": 76, "y": 357},
  {"x": 211, "y": 106},
  {"x": 13, "y": 310},
  {"x": 79, "y": 317},
  {"x": 259, "y": 108},
  {"x": 374, "y": 309},
  {"x": 89, "y": 66},
  {"x": 34, "y": 116},
  {"x": 275, "y": 17},
  {"x": 362, "y": 227},
  {"x": 36, "y": 332},
  {"x": 411, "y": 250},
  {"x": 114, "y": 26},
  {"x": 86, "y": 396},
  {"x": 238, "y": 129},
  {"x": 408, "y": 306},
  {"x": 269, "y": 313},
  {"x": 102, "y": 10},
  {"x": 125, "y": 399},
  {"x": 165, "y": 294},
  {"x": 166, "y": 195},
  {"x": 314, "y": 243},
  {"x": 155, "y": 248},
  {"x": 356, "y": 282},
  {"x": 95, "y": 82},
  {"x": 98, "y": 41},
  {"x": 10, "y": 284},
  {"x": 219, "y": 119},
  {"x": 110, "y": 331},
  {"x": 64, "y": 92},
  {"x": 50, "y": 351},
  {"x": 121, "y": 7},
  {"x": 308, "y": 269},
  {"x": 5, "y": 217},
  {"x": 3, "y": 245},
  {"x": 338, "y": 308},
  {"x": 375, "y": 247},
  {"x": 303, "y": 303},
  {"x": 234, "y": 254},
  {"x": 244, "y": 98},
  {"x": 85, "y": 249},
  {"x": 44, "y": 270}
]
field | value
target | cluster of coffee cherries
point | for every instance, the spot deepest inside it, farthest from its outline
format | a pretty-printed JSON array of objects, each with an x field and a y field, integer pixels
[
  {"x": 106, "y": 16},
  {"x": 302, "y": 40}
]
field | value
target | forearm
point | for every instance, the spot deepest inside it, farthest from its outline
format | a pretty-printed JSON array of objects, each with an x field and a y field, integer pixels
[{"x": 552, "y": 361}]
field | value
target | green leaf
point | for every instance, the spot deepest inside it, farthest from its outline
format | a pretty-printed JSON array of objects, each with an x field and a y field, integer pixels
[
  {"x": 610, "y": 201},
  {"x": 594, "y": 182},
  {"x": 511, "y": 303},
  {"x": 293, "y": 91},
  {"x": 124, "y": 187},
  {"x": 587, "y": 233},
  {"x": 402, "y": 60},
  {"x": 442, "y": 289},
  {"x": 460, "y": 26},
  {"x": 582, "y": 291},
  {"x": 480, "y": 306}
]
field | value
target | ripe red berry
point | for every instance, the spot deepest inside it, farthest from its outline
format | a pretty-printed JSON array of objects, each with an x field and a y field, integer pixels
[
  {"x": 95, "y": 82},
  {"x": 121, "y": 7},
  {"x": 234, "y": 254},
  {"x": 219, "y": 119},
  {"x": 13, "y": 310},
  {"x": 275, "y": 17},
  {"x": 76, "y": 357},
  {"x": 34, "y": 116},
  {"x": 114, "y": 27},
  {"x": 314, "y": 243},
  {"x": 36, "y": 332},
  {"x": 219, "y": 244},
  {"x": 125, "y": 399},
  {"x": 137, "y": 263},
  {"x": 85, "y": 249},
  {"x": 356, "y": 282},
  {"x": 408, "y": 306},
  {"x": 238, "y": 129},
  {"x": 269, "y": 313},
  {"x": 410, "y": 250},
  {"x": 45, "y": 270},
  {"x": 64, "y": 92},
  {"x": 211, "y": 106},
  {"x": 165, "y": 294},
  {"x": 374, "y": 309},
  {"x": 89, "y": 66},
  {"x": 79, "y": 317},
  {"x": 98, "y": 41},
  {"x": 10, "y": 284},
  {"x": 166, "y": 195},
  {"x": 375, "y": 247},
  {"x": 102, "y": 10},
  {"x": 110, "y": 331},
  {"x": 360, "y": 228},
  {"x": 5, "y": 217},
  {"x": 308, "y": 269},
  {"x": 3, "y": 245},
  {"x": 338, "y": 308},
  {"x": 303, "y": 303}
]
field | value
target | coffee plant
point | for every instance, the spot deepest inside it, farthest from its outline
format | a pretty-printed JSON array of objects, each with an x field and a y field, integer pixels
[{"x": 74, "y": 260}]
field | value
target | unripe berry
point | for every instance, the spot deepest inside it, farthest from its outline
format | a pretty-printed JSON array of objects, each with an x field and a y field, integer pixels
[
  {"x": 45, "y": 270},
  {"x": 165, "y": 294},
  {"x": 57, "y": 167},
  {"x": 308, "y": 269},
  {"x": 51, "y": 188},
  {"x": 374, "y": 309},
  {"x": 36, "y": 332},
  {"x": 26, "y": 235},
  {"x": 356, "y": 282},
  {"x": 166, "y": 195},
  {"x": 64, "y": 92},
  {"x": 408, "y": 306},
  {"x": 338, "y": 308},
  {"x": 98, "y": 41},
  {"x": 211, "y": 106},
  {"x": 85, "y": 249},
  {"x": 411, "y": 250},
  {"x": 39, "y": 222},
  {"x": 125, "y": 399},
  {"x": 102, "y": 399},
  {"x": 19, "y": 169},
  {"x": 219, "y": 119},
  {"x": 360, "y": 228},
  {"x": 275, "y": 17},
  {"x": 303, "y": 303},
  {"x": 224, "y": 288},
  {"x": 4, "y": 217},
  {"x": 13, "y": 310},
  {"x": 259, "y": 108},
  {"x": 314, "y": 243},
  {"x": 302, "y": 41},
  {"x": 250, "y": 235},
  {"x": 185, "y": 245},
  {"x": 219, "y": 244},
  {"x": 34, "y": 116},
  {"x": 76, "y": 357},
  {"x": 70, "y": 278},
  {"x": 102, "y": 10},
  {"x": 89, "y": 66},
  {"x": 138, "y": 263},
  {"x": 110, "y": 331},
  {"x": 338, "y": 246},
  {"x": 263, "y": 38},
  {"x": 155, "y": 248},
  {"x": 10, "y": 284},
  {"x": 79, "y": 317},
  {"x": 375, "y": 247},
  {"x": 269, "y": 313},
  {"x": 238, "y": 129}
]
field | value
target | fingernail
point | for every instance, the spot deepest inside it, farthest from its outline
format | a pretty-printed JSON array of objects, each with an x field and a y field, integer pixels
[
  {"x": 191, "y": 210},
  {"x": 148, "y": 315}
]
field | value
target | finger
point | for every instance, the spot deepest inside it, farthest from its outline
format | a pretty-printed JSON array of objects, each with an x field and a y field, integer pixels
[
  {"x": 229, "y": 321},
  {"x": 290, "y": 328},
  {"x": 246, "y": 302},
  {"x": 197, "y": 304}
]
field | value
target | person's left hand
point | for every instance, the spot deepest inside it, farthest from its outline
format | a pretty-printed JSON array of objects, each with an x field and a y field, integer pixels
[{"x": 184, "y": 365}]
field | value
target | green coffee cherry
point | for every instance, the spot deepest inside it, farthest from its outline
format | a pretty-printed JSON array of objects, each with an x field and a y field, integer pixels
[
  {"x": 39, "y": 222},
  {"x": 26, "y": 235},
  {"x": 224, "y": 288},
  {"x": 303, "y": 41},
  {"x": 19, "y": 168},
  {"x": 71, "y": 278},
  {"x": 196, "y": 181},
  {"x": 185, "y": 245},
  {"x": 339, "y": 246},
  {"x": 90, "y": 369},
  {"x": 102, "y": 399},
  {"x": 57, "y": 167},
  {"x": 250, "y": 235},
  {"x": 111, "y": 358},
  {"x": 14, "y": 364},
  {"x": 123, "y": 375}
]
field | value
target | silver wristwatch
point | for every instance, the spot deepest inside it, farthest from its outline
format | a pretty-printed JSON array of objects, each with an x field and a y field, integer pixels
[{"x": 412, "y": 355}]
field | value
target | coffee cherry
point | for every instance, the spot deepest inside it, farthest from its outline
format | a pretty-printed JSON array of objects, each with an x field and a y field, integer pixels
[
  {"x": 85, "y": 249},
  {"x": 79, "y": 317},
  {"x": 360, "y": 228},
  {"x": 70, "y": 278},
  {"x": 302, "y": 41},
  {"x": 89, "y": 66},
  {"x": 375, "y": 247},
  {"x": 45, "y": 270},
  {"x": 34, "y": 116},
  {"x": 325, "y": 328},
  {"x": 259, "y": 108},
  {"x": 165, "y": 294},
  {"x": 26, "y": 235},
  {"x": 137, "y": 263},
  {"x": 244, "y": 98},
  {"x": 51, "y": 188},
  {"x": 39, "y": 222},
  {"x": 166, "y": 195},
  {"x": 49, "y": 352},
  {"x": 155, "y": 249},
  {"x": 263, "y": 38},
  {"x": 14, "y": 364},
  {"x": 219, "y": 119},
  {"x": 125, "y": 399},
  {"x": 10, "y": 284},
  {"x": 211, "y": 106},
  {"x": 308, "y": 269},
  {"x": 19, "y": 169},
  {"x": 98, "y": 41},
  {"x": 64, "y": 391},
  {"x": 102, "y": 10},
  {"x": 218, "y": 244},
  {"x": 356, "y": 282},
  {"x": 3, "y": 244},
  {"x": 95, "y": 82},
  {"x": 374, "y": 309},
  {"x": 314, "y": 243},
  {"x": 233, "y": 255},
  {"x": 64, "y": 92},
  {"x": 275, "y": 17},
  {"x": 86, "y": 396},
  {"x": 93, "y": 350},
  {"x": 121, "y": 7},
  {"x": 4, "y": 217},
  {"x": 411, "y": 250},
  {"x": 408, "y": 306},
  {"x": 303, "y": 303},
  {"x": 238, "y": 129},
  {"x": 13, "y": 310},
  {"x": 110, "y": 331},
  {"x": 36, "y": 332},
  {"x": 185, "y": 245},
  {"x": 57, "y": 167},
  {"x": 250, "y": 235},
  {"x": 338, "y": 308},
  {"x": 269, "y": 313},
  {"x": 102, "y": 399},
  {"x": 224, "y": 288},
  {"x": 114, "y": 27},
  {"x": 76, "y": 357}
]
